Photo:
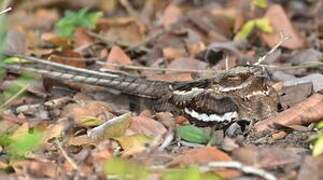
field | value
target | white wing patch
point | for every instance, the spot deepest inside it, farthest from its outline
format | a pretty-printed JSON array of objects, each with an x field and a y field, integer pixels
[{"x": 212, "y": 117}]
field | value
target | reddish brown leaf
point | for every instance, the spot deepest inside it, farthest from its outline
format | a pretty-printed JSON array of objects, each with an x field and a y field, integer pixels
[
  {"x": 306, "y": 112},
  {"x": 147, "y": 126},
  {"x": 81, "y": 38},
  {"x": 201, "y": 156},
  {"x": 171, "y": 15},
  {"x": 68, "y": 57},
  {"x": 117, "y": 56},
  {"x": 280, "y": 23}
]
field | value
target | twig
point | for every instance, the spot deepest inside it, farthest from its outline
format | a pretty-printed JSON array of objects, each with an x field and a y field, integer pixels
[
  {"x": 283, "y": 38},
  {"x": 5, "y": 11},
  {"x": 22, "y": 90},
  {"x": 237, "y": 165},
  {"x": 69, "y": 159}
]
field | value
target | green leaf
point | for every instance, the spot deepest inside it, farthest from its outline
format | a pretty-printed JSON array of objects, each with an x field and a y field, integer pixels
[
  {"x": 124, "y": 169},
  {"x": 318, "y": 146},
  {"x": 260, "y": 3},
  {"x": 319, "y": 125},
  {"x": 263, "y": 25},
  {"x": 72, "y": 20},
  {"x": 27, "y": 143},
  {"x": 14, "y": 60},
  {"x": 193, "y": 134},
  {"x": 190, "y": 173},
  {"x": 246, "y": 30}
]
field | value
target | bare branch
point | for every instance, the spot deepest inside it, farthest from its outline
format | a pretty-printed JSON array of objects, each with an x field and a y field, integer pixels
[
  {"x": 283, "y": 38},
  {"x": 5, "y": 10}
]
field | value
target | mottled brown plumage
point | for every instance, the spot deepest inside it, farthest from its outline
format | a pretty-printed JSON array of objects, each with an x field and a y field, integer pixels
[{"x": 241, "y": 93}]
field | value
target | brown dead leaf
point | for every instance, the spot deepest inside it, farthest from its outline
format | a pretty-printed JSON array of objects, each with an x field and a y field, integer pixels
[
  {"x": 56, "y": 130},
  {"x": 80, "y": 112},
  {"x": 81, "y": 38},
  {"x": 171, "y": 14},
  {"x": 124, "y": 30},
  {"x": 201, "y": 156},
  {"x": 81, "y": 141},
  {"x": 267, "y": 157},
  {"x": 15, "y": 43},
  {"x": 147, "y": 126},
  {"x": 53, "y": 39},
  {"x": 117, "y": 56},
  {"x": 171, "y": 53},
  {"x": 280, "y": 23},
  {"x": 294, "y": 94},
  {"x": 36, "y": 168},
  {"x": 305, "y": 112},
  {"x": 311, "y": 168},
  {"x": 188, "y": 63},
  {"x": 68, "y": 57}
]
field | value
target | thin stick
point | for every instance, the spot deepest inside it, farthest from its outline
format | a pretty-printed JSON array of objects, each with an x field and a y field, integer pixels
[
  {"x": 237, "y": 165},
  {"x": 22, "y": 90},
  {"x": 5, "y": 11},
  {"x": 69, "y": 159},
  {"x": 283, "y": 38}
]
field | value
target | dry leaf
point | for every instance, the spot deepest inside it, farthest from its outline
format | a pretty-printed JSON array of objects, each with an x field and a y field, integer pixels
[
  {"x": 280, "y": 22},
  {"x": 171, "y": 53},
  {"x": 147, "y": 126},
  {"x": 201, "y": 156},
  {"x": 80, "y": 113},
  {"x": 112, "y": 128},
  {"x": 134, "y": 144},
  {"x": 306, "y": 112},
  {"x": 117, "y": 56},
  {"x": 68, "y": 57},
  {"x": 171, "y": 14},
  {"x": 81, "y": 38}
]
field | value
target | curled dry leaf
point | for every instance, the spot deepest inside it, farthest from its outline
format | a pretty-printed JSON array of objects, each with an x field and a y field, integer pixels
[
  {"x": 306, "y": 112},
  {"x": 113, "y": 128},
  {"x": 280, "y": 23}
]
